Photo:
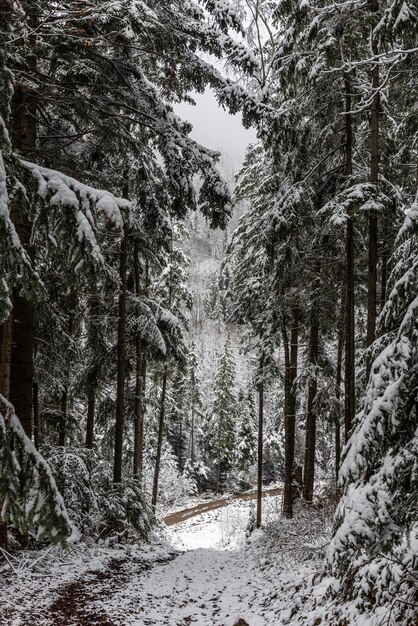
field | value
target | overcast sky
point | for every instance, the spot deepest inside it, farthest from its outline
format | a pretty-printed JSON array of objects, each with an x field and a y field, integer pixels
[{"x": 215, "y": 128}]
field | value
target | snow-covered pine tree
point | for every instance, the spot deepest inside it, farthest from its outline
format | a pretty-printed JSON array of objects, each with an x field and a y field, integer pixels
[
  {"x": 246, "y": 436},
  {"x": 29, "y": 495},
  {"x": 372, "y": 549},
  {"x": 222, "y": 426},
  {"x": 177, "y": 414}
]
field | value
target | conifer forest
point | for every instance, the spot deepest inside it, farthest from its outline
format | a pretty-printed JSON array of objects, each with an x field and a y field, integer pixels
[{"x": 209, "y": 312}]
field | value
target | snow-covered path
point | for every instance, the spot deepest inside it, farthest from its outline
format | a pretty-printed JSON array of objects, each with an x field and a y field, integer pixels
[
  {"x": 216, "y": 580},
  {"x": 205, "y": 572},
  {"x": 203, "y": 586}
]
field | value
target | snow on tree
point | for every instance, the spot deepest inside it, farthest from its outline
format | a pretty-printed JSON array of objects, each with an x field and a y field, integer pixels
[
  {"x": 31, "y": 500},
  {"x": 246, "y": 432},
  {"x": 376, "y": 531},
  {"x": 222, "y": 425}
]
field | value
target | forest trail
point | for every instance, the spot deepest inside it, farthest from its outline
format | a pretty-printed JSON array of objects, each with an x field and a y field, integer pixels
[
  {"x": 219, "y": 578},
  {"x": 204, "y": 507},
  {"x": 205, "y": 587}
]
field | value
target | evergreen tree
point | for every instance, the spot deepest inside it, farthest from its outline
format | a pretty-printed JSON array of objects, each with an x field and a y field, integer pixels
[
  {"x": 246, "y": 432},
  {"x": 222, "y": 426},
  {"x": 375, "y": 525},
  {"x": 30, "y": 498}
]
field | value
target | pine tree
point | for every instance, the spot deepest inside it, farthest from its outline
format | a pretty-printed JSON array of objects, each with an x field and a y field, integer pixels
[
  {"x": 223, "y": 418},
  {"x": 246, "y": 432},
  {"x": 178, "y": 427},
  {"x": 375, "y": 523},
  {"x": 29, "y": 494}
]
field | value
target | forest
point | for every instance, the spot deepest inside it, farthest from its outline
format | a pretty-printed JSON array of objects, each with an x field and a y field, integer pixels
[{"x": 208, "y": 372}]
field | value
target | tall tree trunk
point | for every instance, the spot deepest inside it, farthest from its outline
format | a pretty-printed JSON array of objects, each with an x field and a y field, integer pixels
[
  {"x": 373, "y": 224},
  {"x": 338, "y": 377},
  {"x": 139, "y": 414},
  {"x": 384, "y": 271},
  {"x": 6, "y": 330},
  {"x": 120, "y": 391},
  {"x": 260, "y": 449},
  {"x": 71, "y": 303},
  {"x": 91, "y": 408},
  {"x": 3, "y": 533},
  {"x": 23, "y": 136},
  {"x": 21, "y": 374},
  {"x": 36, "y": 424},
  {"x": 349, "y": 382},
  {"x": 95, "y": 306},
  {"x": 5, "y": 360},
  {"x": 193, "y": 417},
  {"x": 62, "y": 431},
  {"x": 16, "y": 333},
  {"x": 291, "y": 360},
  {"x": 159, "y": 441},
  {"x": 310, "y": 443}
]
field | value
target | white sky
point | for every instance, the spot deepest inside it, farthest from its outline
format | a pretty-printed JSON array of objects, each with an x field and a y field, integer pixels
[{"x": 217, "y": 129}]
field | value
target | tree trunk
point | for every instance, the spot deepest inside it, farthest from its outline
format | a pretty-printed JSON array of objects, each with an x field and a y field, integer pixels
[
  {"x": 384, "y": 271},
  {"x": 338, "y": 377},
  {"x": 291, "y": 359},
  {"x": 310, "y": 443},
  {"x": 5, "y": 355},
  {"x": 95, "y": 310},
  {"x": 373, "y": 224},
  {"x": 260, "y": 449},
  {"x": 36, "y": 425},
  {"x": 349, "y": 381},
  {"x": 91, "y": 407},
  {"x": 159, "y": 441},
  {"x": 23, "y": 136},
  {"x": 120, "y": 392},
  {"x": 5, "y": 360},
  {"x": 16, "y": 333},
  {"x": 139, "y": 414},
  {"x": 192, "y": 436},
  {"x": 63, "y": 418},
  {"x": 70, "y": 304},
  {"x": 192, "y": 413},
  {"x": 139, "y": 417},
  {"x": 21, "y": 374},
  {"x": 3, "y": 532}
]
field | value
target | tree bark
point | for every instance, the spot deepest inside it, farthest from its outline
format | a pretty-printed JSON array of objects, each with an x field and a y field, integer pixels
[
  {"x": 21, "y": 373},
  {"x": 384, "y": 270},
  {"x": 3, "y": 532},
  {"x": 70, "y": 303},
  {"x": 36, "y": 425},
  {"x": 338, "y": 378},
  {"x": 120, "y": 392},
  {"x": 373, "y": 222},
  {"x": 139, "y": 414},
  {"x": 192, "y": 414},
  {"x": 62, "y": 431},
  {"x": 349, "y": 382},
  {"x": 5, "y": 355},
  {"x": 260, "y": 449},
  {"x": 159, "y": 441},
  {"x": 95, "y": 309},
  {"x": 310, "y": 443},
  {"x": 291, "y": 358},
  {"x": 91, "y": 408},
  {"x": 23, "y": 136}
]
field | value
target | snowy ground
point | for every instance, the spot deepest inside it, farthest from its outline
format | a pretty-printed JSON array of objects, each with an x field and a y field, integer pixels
[{"x": 206, "y": 572}]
